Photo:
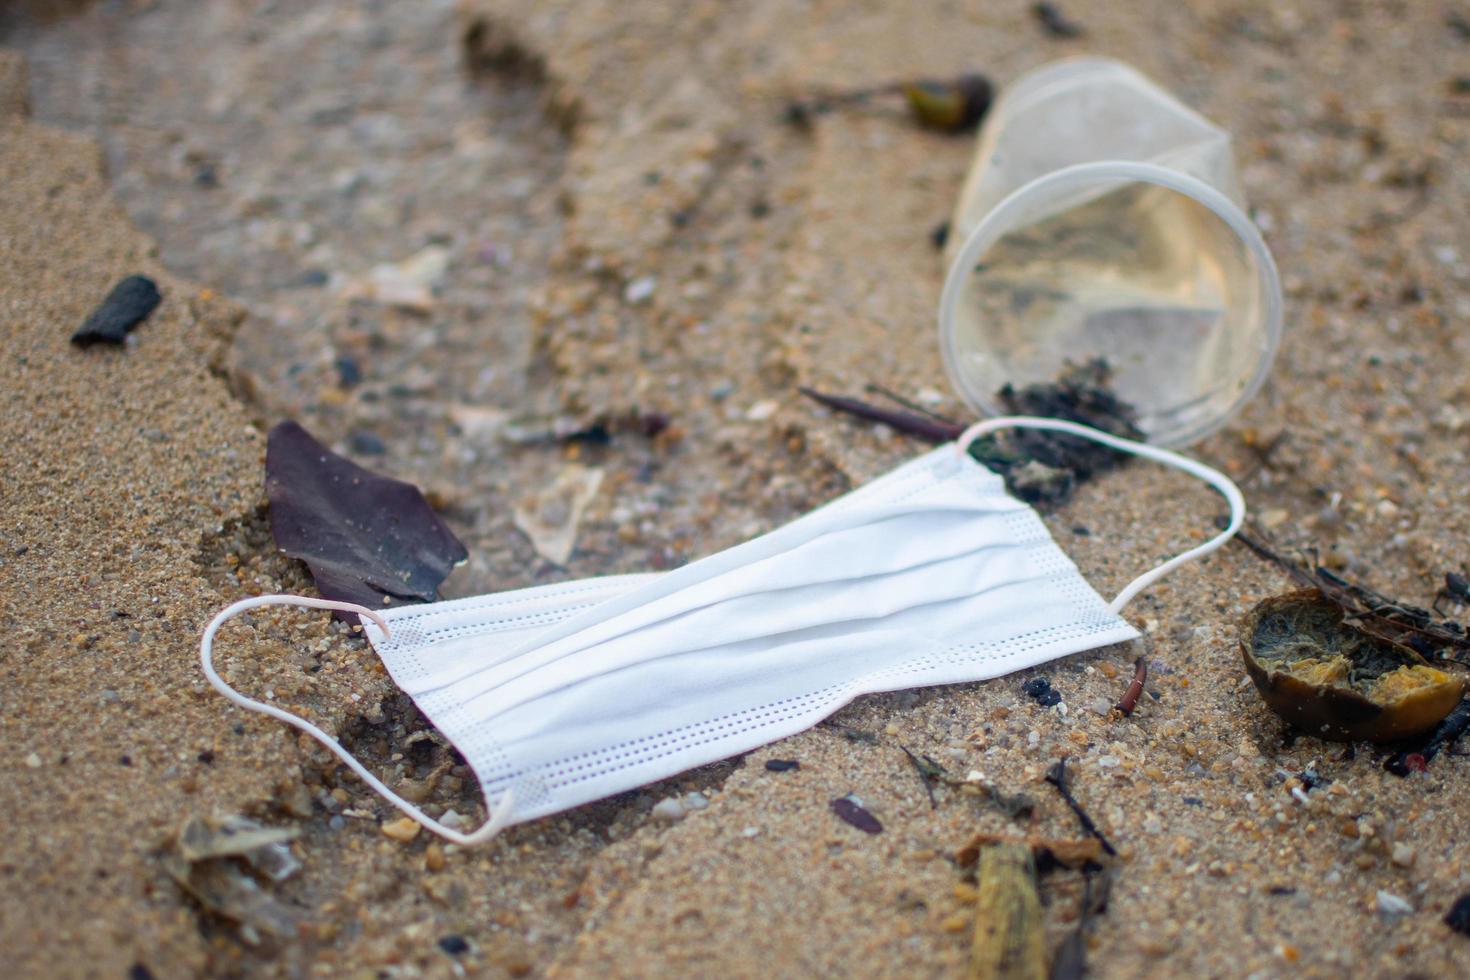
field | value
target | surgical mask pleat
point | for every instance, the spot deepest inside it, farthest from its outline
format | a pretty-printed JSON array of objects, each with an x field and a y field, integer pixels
[{"x": 809, "y": 579}]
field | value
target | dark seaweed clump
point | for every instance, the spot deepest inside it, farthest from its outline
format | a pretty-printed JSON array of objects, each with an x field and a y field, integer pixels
[{"x": 1043, "y": 467}]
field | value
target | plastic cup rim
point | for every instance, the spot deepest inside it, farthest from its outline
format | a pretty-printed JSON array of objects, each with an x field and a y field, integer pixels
[{"x": 997, "y": 222}]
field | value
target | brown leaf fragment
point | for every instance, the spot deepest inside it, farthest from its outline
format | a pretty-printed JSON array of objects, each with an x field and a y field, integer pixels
[
  {"x": 1009, "y": 940},
  {"x": 366, "y": 538},
  {"x": 1067, "y": 852}
]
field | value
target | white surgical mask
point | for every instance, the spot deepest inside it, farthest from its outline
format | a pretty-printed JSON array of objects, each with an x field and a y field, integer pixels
[{"x": 564, "y": 694}]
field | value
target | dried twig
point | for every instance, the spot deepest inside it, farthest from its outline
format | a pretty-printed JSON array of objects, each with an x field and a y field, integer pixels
[
  {"x": 929, "y": 771},
  {"x": 1057, "y": 776},
  {"x": 896, "y": 398},
  {"x": 1372, "y": 612},
  {"x": 906, "y": 422}
]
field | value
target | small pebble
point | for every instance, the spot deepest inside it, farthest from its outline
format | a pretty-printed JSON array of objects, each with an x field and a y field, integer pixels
[
  {"x": 782, "y": 765},
  {"x": 669, "y": 810},
  {"x": 1458, "y": 917},
  {"x": 1391, "y": 906},
  {"x": 434, "y": 857},
  {"x": 762, "y": 410},
  {"x": 403, "y": 830},
  {"x": 1036, "y": 687},
  {"x": 695, "y": 801},
  {"x": 1109, "y": 762},
  {"x": 454, "y": 945},
  {"x": 366, "y": 444},
  {"x": 1049, "y": 698},
  {"x": 640, "y": 290},
  {"x": 1403, "y": 855},
  {"x": 33, "y": 760},
  {"x": 127, "y": 305},
  {"x": 1100, "y": 706},
  {"x": 348, "y": 373}
]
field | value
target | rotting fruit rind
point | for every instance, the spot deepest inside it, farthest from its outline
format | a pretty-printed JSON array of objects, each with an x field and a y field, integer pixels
[{"x": 1332, "y": 680}]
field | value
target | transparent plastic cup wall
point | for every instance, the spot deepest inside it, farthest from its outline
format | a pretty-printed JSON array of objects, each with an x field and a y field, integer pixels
[{"x": 1103, "y": 218}]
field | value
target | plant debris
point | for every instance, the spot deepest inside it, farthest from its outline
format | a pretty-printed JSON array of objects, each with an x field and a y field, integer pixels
[
  {"x": 782, "y": 765},
  {"x": 929, "y": 772},
  {"x": 128, "y": 304},
  {"x": 1418, "y": 758},
  {"x": 851, "y": 811},
  {"x": 1057, "y": 776},
  {"x": 1081, "y": 393},
  {"x": 1013, "y": 805},
  {"x": 1328, "y": 678},
  {"x": 1130, "y": 697},
  {"x": 366, "y": 538},
  {"x": 948, "y": 105},
  {"x": 1372, "y": 612},
  {"x": 1070, "y": 962},
  {"x": 1009, "y": 938},
  {"x": 552, "y": 517},
  {"x": 265, "y": 849},
  {"x": 1039, "y": 467},
  {"x": 1047, "y": 852},
  {"x": 951, "y": 105},
  {"x": 222, "y": 864},
  {"x": 1056, "y": 23}
]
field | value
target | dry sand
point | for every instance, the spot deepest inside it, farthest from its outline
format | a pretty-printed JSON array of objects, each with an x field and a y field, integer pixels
[{"x": 131, "y": 483}]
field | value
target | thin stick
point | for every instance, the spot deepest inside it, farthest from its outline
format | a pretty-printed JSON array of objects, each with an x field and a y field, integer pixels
[
  {"x": 1057, "y": 776},
  {"x": 894, "y": 396},
  {"x": 1373, "y": 612},
  {"x": 924, "y": 776},
  {"x": 916, "y": 425}
]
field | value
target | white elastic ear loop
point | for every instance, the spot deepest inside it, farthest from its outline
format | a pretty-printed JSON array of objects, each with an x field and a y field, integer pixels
[
  {"x": 498, "y": 817},
  {"x": 1213, "y": 477}
]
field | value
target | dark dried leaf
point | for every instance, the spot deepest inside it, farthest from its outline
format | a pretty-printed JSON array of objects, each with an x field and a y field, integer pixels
[
  {"x": 852, "y": 813},
  {"x": 126, "y": 306},
  {"x": 367, "y": 538},
  {"x": 1056, "y": 23},
  {"x": 782, "y": 765}
]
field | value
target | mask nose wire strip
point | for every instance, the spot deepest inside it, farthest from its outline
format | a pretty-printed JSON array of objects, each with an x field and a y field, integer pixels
[
  {"x": 1213, "y": 477},
  {"x": 499, "y": 815}
]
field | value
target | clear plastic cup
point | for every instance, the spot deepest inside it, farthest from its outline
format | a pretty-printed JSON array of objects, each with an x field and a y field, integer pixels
[{"x": 1103, "y": 218}]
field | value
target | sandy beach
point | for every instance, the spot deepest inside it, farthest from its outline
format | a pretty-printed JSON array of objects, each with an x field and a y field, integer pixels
[{"x": 623, "y": 227}]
